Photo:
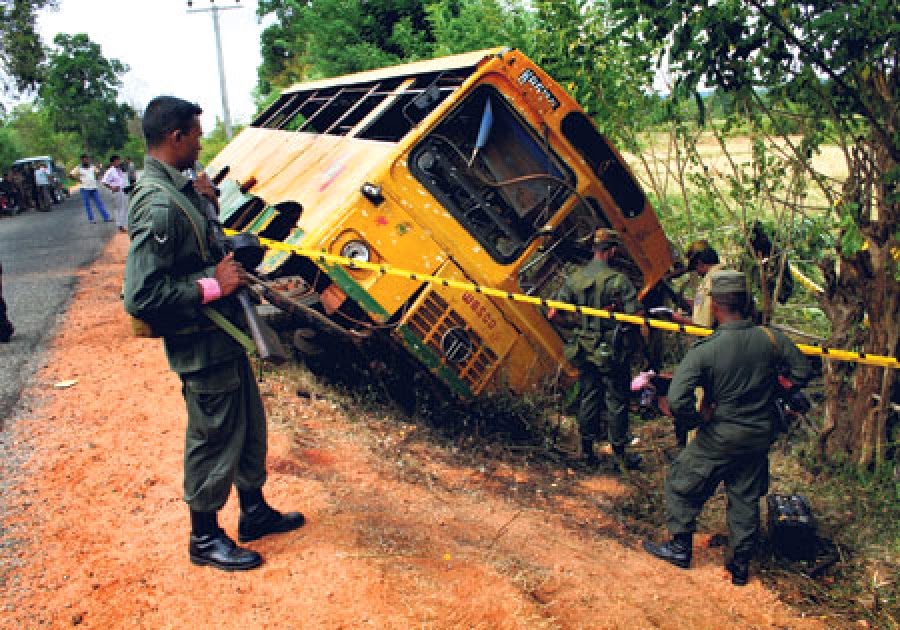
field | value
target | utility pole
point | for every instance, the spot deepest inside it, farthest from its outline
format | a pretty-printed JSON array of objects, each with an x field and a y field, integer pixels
[{"x": 214, "y": 9}]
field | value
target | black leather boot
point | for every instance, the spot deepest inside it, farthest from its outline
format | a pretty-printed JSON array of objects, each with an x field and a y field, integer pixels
[
  {"x": 211, "y": 547},
  {"x": 739, "y": 568},
  {"x": 625, "y": 460},
  {"x": 258, "y": 519},
  {"x": 677, "y": 551}
]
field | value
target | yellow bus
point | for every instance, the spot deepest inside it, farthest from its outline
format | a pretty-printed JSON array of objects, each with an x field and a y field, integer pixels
[{"x": 476, "y": 167}]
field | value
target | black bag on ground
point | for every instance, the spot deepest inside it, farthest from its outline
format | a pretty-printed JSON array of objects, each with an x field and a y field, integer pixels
[{"x": 792, "y": 529}]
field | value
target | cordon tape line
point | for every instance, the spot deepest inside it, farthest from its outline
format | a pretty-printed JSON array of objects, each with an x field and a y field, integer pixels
[{"x": 639, "y": 320}]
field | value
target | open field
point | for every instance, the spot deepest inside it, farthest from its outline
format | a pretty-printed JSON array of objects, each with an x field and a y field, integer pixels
[{"x": 661, "y": 158}]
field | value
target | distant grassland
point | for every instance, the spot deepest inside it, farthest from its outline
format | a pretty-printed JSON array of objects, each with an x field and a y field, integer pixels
[{"x": 829, "y": 161}]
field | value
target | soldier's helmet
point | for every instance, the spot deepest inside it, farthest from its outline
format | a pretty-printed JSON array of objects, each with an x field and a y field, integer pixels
[{"x": 605, "y": 236}]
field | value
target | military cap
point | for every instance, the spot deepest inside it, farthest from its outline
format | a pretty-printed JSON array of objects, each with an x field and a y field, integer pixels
[
  {"x": 605, "y": 235},
  {"x": 693, "y": 252},
  {"x": 727, "y": 281}
]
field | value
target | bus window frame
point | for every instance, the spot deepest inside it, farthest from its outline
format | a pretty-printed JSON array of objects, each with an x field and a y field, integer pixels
[{"x": 552, "y": 203}]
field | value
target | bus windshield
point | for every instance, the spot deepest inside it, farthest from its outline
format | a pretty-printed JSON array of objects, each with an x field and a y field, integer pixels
[{"x": 485, "y": 165}]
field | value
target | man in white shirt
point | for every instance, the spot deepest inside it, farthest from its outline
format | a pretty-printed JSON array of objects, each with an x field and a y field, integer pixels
[
  {"x": 42, "y": 180},
  {"x": 87, "y": 175},
  {"x": 116, "y": 180}
]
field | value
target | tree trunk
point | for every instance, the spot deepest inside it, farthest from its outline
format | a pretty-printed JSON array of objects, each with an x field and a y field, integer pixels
[{"x": 862, "y": 300}]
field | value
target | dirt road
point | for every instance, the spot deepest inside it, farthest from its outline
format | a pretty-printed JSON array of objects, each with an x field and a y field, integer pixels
[{"x": 403, "y": 532}]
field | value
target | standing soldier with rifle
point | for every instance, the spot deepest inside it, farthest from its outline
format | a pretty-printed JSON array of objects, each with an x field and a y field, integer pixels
[
  {"x": 737, "y": 368},
  {"x": 181, "y": 283},
  {"x": 602, "y": 349}
]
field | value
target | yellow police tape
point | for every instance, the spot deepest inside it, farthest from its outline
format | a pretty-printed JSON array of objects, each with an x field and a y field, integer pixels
[{"x": 699, "y": 331}]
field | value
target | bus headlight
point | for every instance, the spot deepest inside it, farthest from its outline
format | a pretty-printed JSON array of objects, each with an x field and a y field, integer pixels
[{"x": 356, "y": 250}]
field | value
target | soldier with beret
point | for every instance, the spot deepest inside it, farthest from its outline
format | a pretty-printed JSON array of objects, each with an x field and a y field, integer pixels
[
  {"x": 602, "y": 349},
  {"x": 737, "y": 368}
]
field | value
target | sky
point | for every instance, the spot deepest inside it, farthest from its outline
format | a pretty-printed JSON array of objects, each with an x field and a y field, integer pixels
[{"x": 170, "y": 51}]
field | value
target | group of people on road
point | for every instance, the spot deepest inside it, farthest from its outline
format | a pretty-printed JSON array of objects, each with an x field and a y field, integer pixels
[
  {"x": 724, "y": 389},
  {"x": 119, "y": 177}
]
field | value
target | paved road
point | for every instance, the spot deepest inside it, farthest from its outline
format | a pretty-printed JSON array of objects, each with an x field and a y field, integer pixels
[{"x": 41, "y": 252}]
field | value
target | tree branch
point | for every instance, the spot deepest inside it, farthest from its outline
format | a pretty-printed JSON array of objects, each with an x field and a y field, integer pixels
[{"x": 818, "y": 61}]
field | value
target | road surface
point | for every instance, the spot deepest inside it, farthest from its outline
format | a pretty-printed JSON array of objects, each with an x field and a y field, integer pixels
[{"x": 41, "y": 253}]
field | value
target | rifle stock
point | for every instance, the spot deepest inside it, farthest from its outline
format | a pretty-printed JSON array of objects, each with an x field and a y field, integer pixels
[{"x": 268, "y": 345}]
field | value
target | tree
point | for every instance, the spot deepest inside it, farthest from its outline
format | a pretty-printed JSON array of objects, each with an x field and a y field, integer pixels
[
  {"x": 35, "y": 135},
  {"x": 811, "y": 73},
  {"x": 21, "y": 52},
  {"x": 464, "y": 25},
  {"x": 10, "y": 148},
  {"x": 80, "y": 91},
  {"x": 323, "y": 38}
]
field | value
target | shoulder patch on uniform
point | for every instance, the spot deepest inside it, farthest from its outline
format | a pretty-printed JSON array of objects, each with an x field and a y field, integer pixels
[{"x": 161, "y": 223}]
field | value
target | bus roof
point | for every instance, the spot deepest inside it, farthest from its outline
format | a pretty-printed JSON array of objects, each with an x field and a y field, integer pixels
[{"x": 465, "y": 60}]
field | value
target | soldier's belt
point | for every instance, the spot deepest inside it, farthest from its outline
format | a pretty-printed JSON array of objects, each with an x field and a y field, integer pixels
[{"x": 637, "y": 320}]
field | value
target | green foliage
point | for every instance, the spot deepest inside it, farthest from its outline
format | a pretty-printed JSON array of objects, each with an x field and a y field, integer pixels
[
  {"x": 333, "y": 37},
  {"x": 573, "y": 43},
  {"x": 21, "y": 52},
  {"x": 10, "y": 147},
  {"x": 133, "y": 148},
  {"x": 464, "y": 25},
  {"x": 215, "y": 141},
  {"x": 80, "y": 92},
  {"x": 31, "y": 133}
]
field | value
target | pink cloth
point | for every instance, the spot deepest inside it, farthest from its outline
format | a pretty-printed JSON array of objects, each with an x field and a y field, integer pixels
[
  {"x": 209, "y": 289},
  {"x": 642, "y": 380}
]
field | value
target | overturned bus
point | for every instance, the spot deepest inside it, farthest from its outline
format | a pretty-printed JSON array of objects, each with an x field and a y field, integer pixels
[{"x": 476, "y": 168}]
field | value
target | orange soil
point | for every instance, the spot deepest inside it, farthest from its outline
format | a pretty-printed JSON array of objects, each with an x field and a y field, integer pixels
[{"x": 401, "y": 532}]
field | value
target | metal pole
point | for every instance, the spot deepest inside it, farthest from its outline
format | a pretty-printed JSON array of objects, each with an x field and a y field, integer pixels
[{"x": 225, "y": 112}]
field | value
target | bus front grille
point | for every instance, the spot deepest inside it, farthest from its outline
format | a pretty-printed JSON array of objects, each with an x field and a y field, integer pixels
[{"x": 459, "y": 347}]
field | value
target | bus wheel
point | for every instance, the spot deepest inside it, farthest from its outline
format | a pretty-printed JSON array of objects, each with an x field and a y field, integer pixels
[{"x": 303, "y": 342}]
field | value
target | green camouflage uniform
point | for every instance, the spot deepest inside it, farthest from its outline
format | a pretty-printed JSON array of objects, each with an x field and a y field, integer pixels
[
  {"x": 603, "y": 358},
  {"x": 736, "y": 367},
  {"x": 225, "y": 440}
]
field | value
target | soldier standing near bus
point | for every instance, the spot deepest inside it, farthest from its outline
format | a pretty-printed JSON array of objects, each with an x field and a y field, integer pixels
[
  {"x": 602, "y": 349},
  {"x": 737, "y": 368},
  {"x": 169, "y": 275}
]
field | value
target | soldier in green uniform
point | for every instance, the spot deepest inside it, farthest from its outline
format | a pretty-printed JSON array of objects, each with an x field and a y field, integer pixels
[
  {"x": 737, "y": 367},
  {"x": 602, "y": 349},
  {"x": 169, "y": 275}
]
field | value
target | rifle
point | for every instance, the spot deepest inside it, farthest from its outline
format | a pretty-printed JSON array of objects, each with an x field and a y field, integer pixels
[{"x": 249, "y": 253}]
